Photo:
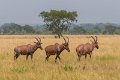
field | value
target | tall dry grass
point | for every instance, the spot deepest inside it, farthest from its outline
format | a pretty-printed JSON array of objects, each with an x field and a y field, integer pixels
[{"x": 104, "y": 65}]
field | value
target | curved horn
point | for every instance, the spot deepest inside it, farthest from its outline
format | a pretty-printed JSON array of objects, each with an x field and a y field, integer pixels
[
  {"x": 68, "y": 39},
  {"x": 37, "y": 39},
  {"x": 93, "y": 38},
  {"x": 64, "y": 39},
  {"x": 96, "y": 38}
]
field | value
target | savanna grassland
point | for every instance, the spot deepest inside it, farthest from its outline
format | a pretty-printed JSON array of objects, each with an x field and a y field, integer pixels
[{"x": 104, "y": 65}]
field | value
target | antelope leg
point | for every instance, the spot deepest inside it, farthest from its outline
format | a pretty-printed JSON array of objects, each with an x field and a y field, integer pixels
[
  {"x": 31, "y": 56},
  {"x": 85, "y": 56},
  {"x": 79, "y": 56},
  {"x": 27, "y": 57},
  {"x": 59, "y": 57},
  {"x": 90, "y": 55},
  {"x": 16, "y": 56},
  {"x": 47, "y": 57},
  {"x": 56, "y": 58}
]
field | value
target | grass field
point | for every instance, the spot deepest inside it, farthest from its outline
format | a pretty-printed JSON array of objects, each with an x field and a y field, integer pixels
[{"x": 104, "y": 65}]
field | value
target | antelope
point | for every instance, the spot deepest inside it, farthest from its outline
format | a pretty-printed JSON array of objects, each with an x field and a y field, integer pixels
[
  {"x": 56, "y": 49},
  {"x": 27, "y": 49},
  {"x": 87, "y": 48}
]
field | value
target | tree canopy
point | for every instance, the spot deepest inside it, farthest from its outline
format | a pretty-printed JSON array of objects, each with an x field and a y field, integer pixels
[{"x": 58, "y": 21}]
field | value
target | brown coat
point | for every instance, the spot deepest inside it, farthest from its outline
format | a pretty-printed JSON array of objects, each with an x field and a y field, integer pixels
[{"x": 87, "y": 48}]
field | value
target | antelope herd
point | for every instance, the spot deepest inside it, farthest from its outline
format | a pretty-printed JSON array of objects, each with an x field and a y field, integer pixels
[{"x": 56, "y": 49}]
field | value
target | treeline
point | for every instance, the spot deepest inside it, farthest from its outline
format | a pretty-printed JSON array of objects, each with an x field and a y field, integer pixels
[
  {"x": 98, "y": 28},
  {"x": 12, "y": 28}
]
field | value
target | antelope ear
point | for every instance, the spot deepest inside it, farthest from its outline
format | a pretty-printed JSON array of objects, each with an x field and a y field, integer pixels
[
  {"x": 35, "y": 42},
  {"x": 41, "y": 43},
  {"x": 91, "y": 41},
  {"x": 67, "y": 43}
]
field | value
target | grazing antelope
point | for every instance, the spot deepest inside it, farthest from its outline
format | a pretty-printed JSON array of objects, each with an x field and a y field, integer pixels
[
  {"x": 56, "y": 49},
  {"x": 27, "y": 49},
  {"x": 87, "y": 48}
]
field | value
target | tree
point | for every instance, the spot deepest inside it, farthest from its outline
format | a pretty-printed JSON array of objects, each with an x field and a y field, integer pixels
[
  {"x": 10, "y": 28},
  {"x": 58, "y": 21},
  {"x": 28, "y": 29}
]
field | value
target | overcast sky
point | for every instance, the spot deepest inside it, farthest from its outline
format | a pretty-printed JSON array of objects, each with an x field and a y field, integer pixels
[{"x": 89, "y": 11}]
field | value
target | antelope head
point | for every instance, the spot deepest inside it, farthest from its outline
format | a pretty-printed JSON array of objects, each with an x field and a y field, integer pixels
[
  {"x": 66, "y": 44},
  {"x": 95, "y": 42},
  {"x": 38, "y": 43}
]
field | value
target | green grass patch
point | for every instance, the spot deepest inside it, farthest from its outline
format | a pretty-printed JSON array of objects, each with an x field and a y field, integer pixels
[
  {"x": 68, "y": 68},
  {"x": 20, "y": 69}
]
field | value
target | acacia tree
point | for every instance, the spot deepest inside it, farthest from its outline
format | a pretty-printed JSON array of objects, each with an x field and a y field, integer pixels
[{"x": 58, "y": 21}]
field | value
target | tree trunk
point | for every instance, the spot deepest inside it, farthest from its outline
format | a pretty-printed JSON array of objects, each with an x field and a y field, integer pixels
[{"x": 59, "y": 35}]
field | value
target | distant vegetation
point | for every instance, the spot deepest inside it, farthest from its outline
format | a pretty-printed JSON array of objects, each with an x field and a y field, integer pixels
[{"x": 98, "y": 28}]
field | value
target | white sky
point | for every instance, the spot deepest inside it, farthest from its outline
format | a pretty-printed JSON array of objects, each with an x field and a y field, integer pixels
[{"x": 89, "y": 11}]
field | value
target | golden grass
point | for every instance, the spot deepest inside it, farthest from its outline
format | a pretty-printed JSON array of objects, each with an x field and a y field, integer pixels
[{"x": 104, "y": 65}]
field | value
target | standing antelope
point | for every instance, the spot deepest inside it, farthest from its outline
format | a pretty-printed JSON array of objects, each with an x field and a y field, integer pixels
[
  {"x": 56, "y": 49},
  {"x": 27, "y": 49},
  {"x": 87, "y": 48}
]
